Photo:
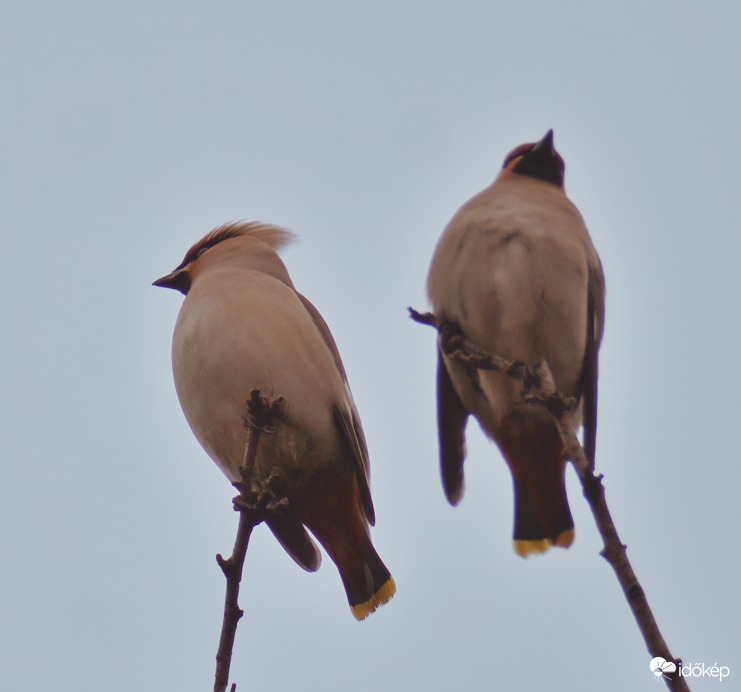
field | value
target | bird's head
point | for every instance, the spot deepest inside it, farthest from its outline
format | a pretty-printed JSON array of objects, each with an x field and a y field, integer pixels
[
  {"x": 537, "y": 160},
  {"x": 181, "y": 278}
]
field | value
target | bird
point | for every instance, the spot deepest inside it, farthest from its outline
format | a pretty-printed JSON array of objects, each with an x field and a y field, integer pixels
[
  {"x": 515, "y": 272},
  {"x": 244, "y": 326}
]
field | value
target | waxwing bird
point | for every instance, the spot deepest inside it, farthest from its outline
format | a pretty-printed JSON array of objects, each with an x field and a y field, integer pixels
[
  {"x": 243, "y": 326},
  {"x": 516, "y": 272}
]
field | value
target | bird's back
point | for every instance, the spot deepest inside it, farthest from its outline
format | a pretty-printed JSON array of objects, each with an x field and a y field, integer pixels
[{"x": 513, "y": 268}]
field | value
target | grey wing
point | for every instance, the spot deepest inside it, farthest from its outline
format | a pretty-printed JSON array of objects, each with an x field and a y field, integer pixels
[
  {"x": 348, "y": 421},
  {"x": 451, "y": 429},
  {"x": 590, "y": 370},
  {"x": 352, "y": 433},
  {"x": 294, "y": 538},
  {"x": 324, "y": 331}
]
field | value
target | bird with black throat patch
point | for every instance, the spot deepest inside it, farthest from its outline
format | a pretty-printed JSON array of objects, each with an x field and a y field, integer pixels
[
  {"x": 243, "y": 326},
  {"x": 515, "y": 272}
]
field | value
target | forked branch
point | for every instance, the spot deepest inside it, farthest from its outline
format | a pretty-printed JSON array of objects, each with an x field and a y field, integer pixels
[
  {"x": 254, "y": 502},
  {"x": 540, "y": 389}
]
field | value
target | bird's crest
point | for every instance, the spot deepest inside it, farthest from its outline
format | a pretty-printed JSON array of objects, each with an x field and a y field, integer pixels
[{"x": 276, "y": 237}]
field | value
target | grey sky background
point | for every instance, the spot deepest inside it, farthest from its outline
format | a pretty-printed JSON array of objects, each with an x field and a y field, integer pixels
[{"x": 129, "y": 130}]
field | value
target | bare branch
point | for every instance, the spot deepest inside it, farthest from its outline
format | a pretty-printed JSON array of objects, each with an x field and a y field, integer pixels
[
  {"x": 254, "y": 503},
  {"x": 540, "y": 389}
]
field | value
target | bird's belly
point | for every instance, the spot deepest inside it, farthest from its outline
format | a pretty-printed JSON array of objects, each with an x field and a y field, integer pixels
[
  {"x": 213, "y": 387},
  {"x": 218, "y": 362}
]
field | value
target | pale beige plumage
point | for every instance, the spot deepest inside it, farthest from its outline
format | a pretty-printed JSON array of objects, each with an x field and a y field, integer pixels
[{"x": 243, "y": 326}]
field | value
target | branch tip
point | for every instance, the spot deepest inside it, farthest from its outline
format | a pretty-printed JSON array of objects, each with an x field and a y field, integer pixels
[
  {"x": 539, "y": 389},
  {"x": 427, "y": 318},
  {"x": 256, "y": 500}
]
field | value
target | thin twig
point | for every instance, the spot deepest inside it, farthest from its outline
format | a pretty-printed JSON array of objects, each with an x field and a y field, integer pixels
[
  {"x": 253, "y": 503},
  {"x": 540, "y": 389}
]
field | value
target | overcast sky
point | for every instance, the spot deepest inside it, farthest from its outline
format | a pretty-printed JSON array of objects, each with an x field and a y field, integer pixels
[{"x": 128, "y": 130}]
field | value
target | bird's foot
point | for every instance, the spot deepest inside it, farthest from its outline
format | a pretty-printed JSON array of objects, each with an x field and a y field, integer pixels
[
  {"x": 261, "y": 413},
  {"x": 266, "y": 496}
]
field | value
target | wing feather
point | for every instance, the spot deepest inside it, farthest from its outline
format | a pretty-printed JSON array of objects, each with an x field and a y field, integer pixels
[
  {"x": 451, "y": 428},
  {"x": 348, "y": 419},
  {"x": 590, "y": 371}
]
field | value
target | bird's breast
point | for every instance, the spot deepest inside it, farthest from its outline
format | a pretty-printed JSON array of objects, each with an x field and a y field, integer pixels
[{"x": 252, "y": 333}]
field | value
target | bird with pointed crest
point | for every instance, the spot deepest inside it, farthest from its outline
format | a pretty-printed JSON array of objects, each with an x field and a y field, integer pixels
[{"x": 244, "y": 326}]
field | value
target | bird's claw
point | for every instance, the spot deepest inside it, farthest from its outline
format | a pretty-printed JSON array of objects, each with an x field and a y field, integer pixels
[
  {"x": 260, "y": 412},
  {"x": 263, "y": 497}
]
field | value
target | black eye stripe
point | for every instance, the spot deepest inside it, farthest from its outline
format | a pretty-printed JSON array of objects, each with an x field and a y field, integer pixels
[
  {"x": 208, "y": 242},
  {"x": 543, "y": 166}
]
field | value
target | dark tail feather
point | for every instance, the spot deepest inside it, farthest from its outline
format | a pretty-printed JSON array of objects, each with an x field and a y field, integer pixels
[
  {"x": 530, "y": 536},
  {"x": 370, "y": 587},
  {"x": 528, "y": 526},
  {"x": 367, "y": 581},
  {"x": 332, "y": 512},
  {"x": 533, "y": 451}
]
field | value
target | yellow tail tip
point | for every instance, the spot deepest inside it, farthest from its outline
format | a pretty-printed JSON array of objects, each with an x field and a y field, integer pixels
[
  {"x": 564, "y": 539},
  {"x": 383, "y": 595},
  {"x": 526, "y": 548}
]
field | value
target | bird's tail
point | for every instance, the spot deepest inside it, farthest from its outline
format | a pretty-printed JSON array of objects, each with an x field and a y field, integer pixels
[
  {"x": 368, "y": 585},
  {"x": 531, "y": 535},
  {"x": 542, "y": 515},
  {"x": 335, "y": 518}
]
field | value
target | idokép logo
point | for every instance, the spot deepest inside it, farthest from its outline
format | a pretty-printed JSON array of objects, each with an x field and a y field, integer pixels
[{"x": 661, "y": 668}]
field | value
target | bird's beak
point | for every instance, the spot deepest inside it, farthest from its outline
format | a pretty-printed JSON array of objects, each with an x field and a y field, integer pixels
[
  {"x": 545, "y": 144},
  {"x": 179, "y": 280}
]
